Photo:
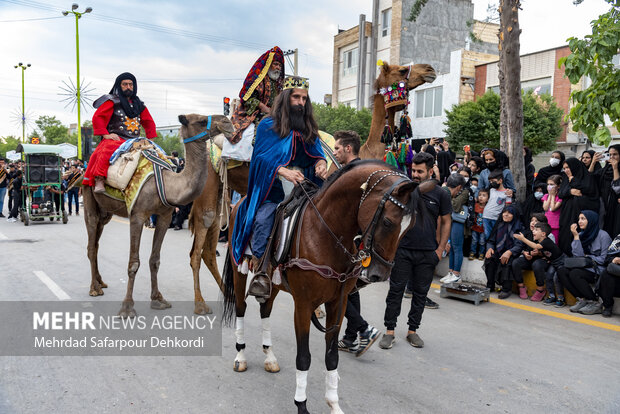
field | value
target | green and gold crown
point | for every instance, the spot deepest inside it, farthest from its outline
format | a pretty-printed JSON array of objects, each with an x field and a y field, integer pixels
[{"x": 295, "y": 82}]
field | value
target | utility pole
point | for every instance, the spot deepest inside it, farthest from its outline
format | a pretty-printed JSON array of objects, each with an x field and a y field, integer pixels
[
  {"x": 74, "y": 7},
  {"x": 295, "y": 53},
  {"x": 23, "y": 68}
]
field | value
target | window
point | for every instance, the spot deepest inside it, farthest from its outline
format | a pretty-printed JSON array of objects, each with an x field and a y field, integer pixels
[
  {"x": 428, "y": 103},
  {"x": 386, "y": 22},
  {"x": 541, "y": 86},
  {"x": 349, "y": 62}
]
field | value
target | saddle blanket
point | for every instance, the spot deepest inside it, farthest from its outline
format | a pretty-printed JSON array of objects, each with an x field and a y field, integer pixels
[
  {"x": 125, "y": 159},
  {"x": 143, "y": 171}
]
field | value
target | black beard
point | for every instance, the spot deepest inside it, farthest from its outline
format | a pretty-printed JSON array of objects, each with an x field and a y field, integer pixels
[
  {"x": 298, "y": 123},
  {"x": 128, "y": 93}
]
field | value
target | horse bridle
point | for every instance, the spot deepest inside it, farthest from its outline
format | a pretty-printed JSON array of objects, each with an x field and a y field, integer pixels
[{"x": 367, "y": 250}]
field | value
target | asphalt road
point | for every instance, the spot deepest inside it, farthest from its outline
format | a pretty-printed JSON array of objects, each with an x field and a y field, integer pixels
[{"x": 484, "y": 359}]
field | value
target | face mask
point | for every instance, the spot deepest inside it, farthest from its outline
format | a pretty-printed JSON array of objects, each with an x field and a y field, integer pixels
[
  {"x": 550, "y": 188},
  {"x": 492, "y": 165},
  {"x": 494, "y": 185},
  {"x": 474, "y": 187},
  {"x": 554, "y": 162},
  {"x": 466, "y": 180},
  {"x": 453, "y": 172},
  {"x": 538, "y": 195}
]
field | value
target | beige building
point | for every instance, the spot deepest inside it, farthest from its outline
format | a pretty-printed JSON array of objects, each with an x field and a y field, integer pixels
[{"x": 441, "y": 37}]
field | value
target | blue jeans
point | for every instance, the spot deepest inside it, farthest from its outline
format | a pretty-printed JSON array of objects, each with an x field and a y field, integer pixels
[
  {"x": 488, "y": 226},
  {"x": 2, "y": 195},
  {"x": 73, "y": 197},
  {"x": 457, "y": 234},
  {"x": 478, "y": 243},
  {"x": 261, "y": 229}
]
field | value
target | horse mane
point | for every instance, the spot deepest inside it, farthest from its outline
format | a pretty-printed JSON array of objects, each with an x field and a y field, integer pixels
[{"x": 339, "y": 173}]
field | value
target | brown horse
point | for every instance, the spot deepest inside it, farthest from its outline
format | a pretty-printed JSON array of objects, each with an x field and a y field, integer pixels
[{"x": 365, "y": 196}]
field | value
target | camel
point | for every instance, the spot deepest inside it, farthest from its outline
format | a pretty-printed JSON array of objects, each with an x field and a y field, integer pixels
[
  {"x": 180, "y": 189},
  {"x": 373, "y": 148},
  {"x": 205, "y": 225},
  {"x": 205, "y": 211}
]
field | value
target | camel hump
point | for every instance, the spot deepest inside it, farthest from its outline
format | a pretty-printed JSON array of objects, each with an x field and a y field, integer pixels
[{"x": 107, "y": 97}]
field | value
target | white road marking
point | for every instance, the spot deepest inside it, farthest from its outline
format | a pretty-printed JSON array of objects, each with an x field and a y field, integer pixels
[
  {"x": 3, "y": 237},
  {"x": 56, "y": 290}
]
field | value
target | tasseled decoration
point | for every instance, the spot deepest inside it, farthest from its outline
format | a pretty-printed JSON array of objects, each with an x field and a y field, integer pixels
[
  {"x": 404, "y": 130},
  {"x": 387, "y": 137},
  {"x": 402, "y": 153},
  {"x": 390, "y": 159},
  {"x": 409, "y": 157}
]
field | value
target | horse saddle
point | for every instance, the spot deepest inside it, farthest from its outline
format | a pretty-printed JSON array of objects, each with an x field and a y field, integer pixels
[{"x": 286, "y": 221}]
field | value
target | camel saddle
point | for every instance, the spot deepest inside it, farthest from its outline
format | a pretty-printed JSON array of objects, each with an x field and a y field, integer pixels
[{"x": 124, "y": 161}]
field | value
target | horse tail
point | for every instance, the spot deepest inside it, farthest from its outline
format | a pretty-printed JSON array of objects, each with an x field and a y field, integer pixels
[
  {"x": 228, "y": 277},
  {"x": 317, "y": 324}
]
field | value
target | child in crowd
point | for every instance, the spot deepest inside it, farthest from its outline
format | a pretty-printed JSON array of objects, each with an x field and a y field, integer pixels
[
  {"x": 552, "y": 204},
  {"x": 553, "y": 255},
  {"x": 500, "y": 249},
  {"x": 478, "y": 239},
  {"x": 497, "y": 201},
  {"x": 474, "y": 185},
  {"x": 531, "y": 259}
]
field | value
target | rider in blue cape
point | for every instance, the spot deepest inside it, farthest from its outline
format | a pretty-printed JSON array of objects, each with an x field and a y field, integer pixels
[{"x": 287, "y": 138}]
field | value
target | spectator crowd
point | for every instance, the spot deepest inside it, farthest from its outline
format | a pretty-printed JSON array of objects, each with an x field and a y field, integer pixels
[{"x": 567, "y": 231}]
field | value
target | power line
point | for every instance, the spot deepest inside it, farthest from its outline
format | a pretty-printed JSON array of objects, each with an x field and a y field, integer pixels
[
  {"x": 148, "y": 26},
  {"x": 30, "y": 20}
]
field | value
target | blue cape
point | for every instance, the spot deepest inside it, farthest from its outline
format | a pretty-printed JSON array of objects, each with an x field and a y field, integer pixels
[{"x": 270, "y": 153}]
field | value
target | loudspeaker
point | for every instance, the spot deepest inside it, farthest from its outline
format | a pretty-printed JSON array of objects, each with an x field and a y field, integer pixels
[
  {"x": 52, "y": 175},
  {"x": 36, "y": 174},
  {"x": 51, "y": 161},
  {"x": 36, "y": 159}
]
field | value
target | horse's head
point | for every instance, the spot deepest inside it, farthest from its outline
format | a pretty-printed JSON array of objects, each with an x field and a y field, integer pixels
[
  {"x": 387, "y": 213},
  {"x": 193, "y": 125}
]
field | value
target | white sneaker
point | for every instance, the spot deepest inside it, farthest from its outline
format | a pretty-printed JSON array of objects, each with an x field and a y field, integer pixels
[
  {"x": 454, "y": 279},
  {"x": 446, "y": 277},
  {"x": 12, "y": 220}
]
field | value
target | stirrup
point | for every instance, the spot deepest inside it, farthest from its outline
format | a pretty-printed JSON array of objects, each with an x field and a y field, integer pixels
[{"x": 260, "y": 296}]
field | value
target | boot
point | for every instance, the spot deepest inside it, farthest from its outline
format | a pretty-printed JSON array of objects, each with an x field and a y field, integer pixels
[
  {"x": 99, "y": 185},
  {"x": 260, "y": 286}
]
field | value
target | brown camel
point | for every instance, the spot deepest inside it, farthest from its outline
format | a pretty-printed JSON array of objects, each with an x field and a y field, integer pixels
[
  {"x": 180, "y": 188},
  {"x": 373, "y": 148},
  {"x": 204, "y": 217},
  {"x": 205, "y": 224}
]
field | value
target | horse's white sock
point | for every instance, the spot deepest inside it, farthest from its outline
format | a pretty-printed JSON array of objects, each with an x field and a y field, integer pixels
[
  {"x": 266, "y": 331},
  {"x": 302, "y": 382},
  {"x": 331, "y": 386},
  {"x": 239, "y": 331}
]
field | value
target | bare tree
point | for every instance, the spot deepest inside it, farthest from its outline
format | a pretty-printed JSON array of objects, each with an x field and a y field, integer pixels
[{"x": 511, "y": 118}]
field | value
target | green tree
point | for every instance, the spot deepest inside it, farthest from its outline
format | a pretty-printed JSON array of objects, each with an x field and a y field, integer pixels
[
  {"x": 8, "y": 143},
  {"x": 477, "y": 123},
  {"x": 331, "y": 119},
  {"x": 170, "y": 143},
  {"x": 593, "y": 57},
  {"x": 52, "y": 130}
]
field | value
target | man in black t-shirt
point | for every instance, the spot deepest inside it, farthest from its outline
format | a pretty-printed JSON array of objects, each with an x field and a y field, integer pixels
[{"x": 417, "y": 255}]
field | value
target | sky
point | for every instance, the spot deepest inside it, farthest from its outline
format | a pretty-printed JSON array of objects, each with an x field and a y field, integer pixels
[{"x": 188, "y": 55}]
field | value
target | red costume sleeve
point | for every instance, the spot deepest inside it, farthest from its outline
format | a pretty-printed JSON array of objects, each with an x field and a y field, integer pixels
[
  {"x": 102, "y": 117},
  {"x": 148, "y": 123}
]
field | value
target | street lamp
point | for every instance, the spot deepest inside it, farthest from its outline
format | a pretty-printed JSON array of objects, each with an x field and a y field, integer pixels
[
  {"x": 74, "y": 7},
  {"x": 23, "y": 68}
]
